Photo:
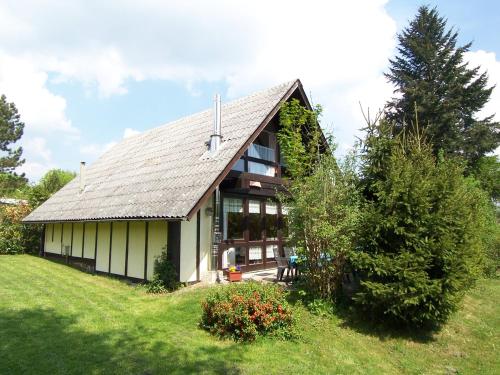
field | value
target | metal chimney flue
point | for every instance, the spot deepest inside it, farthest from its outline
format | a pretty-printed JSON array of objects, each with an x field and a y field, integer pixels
[
  {"x": 82, "y": 176},
  {"x": 215, "y": 138}
]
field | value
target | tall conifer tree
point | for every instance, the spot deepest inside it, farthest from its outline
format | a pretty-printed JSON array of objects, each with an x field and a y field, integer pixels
[
  {"x": 11, "y": 130},
  {"x": 434, "y": 82}
]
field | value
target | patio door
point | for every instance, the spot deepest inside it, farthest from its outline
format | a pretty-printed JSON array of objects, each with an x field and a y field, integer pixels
[{"x": 251, "y": 232}]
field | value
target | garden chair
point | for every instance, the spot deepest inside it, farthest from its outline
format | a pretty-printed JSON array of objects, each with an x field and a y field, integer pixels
[{"x": 282, "y": 265}]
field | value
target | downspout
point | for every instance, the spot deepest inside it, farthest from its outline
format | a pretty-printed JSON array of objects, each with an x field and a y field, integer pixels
[{"x": 214, "y": 146}]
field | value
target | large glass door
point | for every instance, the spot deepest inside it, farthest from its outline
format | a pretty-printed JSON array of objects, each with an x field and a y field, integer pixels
[{"x": 251, "y": 232}]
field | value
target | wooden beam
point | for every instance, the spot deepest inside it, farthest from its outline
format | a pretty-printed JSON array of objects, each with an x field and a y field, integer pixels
[
  {"x": 95, "y": 244},
  {"x": 126, "y": 247},
  {"x": 110, "y": 246},
  {"x": 72, "y": 231},
  {"x": 62, "y": 231},
  {"x": 83, "y": 240},
  {"x": 198, "y": 235},
  {"x": 146, "y": 252}
]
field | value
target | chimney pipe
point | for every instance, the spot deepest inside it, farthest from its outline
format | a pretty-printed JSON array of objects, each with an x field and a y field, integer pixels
[
  {"x": 216, "y": 136},
  {"x": 82, "y": 176}
]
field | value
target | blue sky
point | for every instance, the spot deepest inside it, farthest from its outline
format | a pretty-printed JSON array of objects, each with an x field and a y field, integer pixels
[{"x": 84, "y": 75}]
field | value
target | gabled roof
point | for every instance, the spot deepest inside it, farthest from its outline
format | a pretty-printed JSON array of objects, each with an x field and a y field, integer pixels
[{"x": 165, "y": 172}]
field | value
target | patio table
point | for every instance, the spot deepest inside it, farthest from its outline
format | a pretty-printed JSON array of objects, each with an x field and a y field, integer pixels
[{"x": 293, "y": 260}]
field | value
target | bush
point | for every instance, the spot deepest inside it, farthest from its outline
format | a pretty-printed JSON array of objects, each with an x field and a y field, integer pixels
[
  {"x": 165, "y": 277},
  {"x": 243, "y": 311},
  {"x": 16, "y": 237},
  {"x": 155, "y": 286},
  {"x": 321, "y": 199}
]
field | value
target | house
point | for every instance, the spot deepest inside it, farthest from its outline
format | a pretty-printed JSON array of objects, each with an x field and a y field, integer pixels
[
  {"x": 202, "y": 187},
  {"x": 12, "y": 202}
]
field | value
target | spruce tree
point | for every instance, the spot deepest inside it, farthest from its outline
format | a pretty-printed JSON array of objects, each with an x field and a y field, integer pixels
[
  {"x": 432, "y": 81},
  {"x": 422, "y": 232},
  {"x": 11, "y": 130}
]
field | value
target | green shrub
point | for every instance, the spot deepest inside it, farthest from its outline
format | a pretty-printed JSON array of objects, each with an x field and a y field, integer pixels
[
  {"x": 155, "y": 286},
  {"x": 245, "y": 310},
  {"x": 422, "y": 241},
  {"x": 165, "y": 277},
  {"x": 16, "y": 237}
]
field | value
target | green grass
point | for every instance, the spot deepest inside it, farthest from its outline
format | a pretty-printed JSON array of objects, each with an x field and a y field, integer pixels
[{"x": 58, "y": 320}]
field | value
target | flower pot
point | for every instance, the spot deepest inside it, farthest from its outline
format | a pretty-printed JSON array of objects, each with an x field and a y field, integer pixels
[{"x": 234, "y": 276}]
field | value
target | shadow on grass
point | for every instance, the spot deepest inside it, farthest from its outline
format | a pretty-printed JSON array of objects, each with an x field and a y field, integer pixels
[
  {"x": 85, "y": 268},
  {"x": 41, "y": 341},
  {"x": 362, "y": 322}
]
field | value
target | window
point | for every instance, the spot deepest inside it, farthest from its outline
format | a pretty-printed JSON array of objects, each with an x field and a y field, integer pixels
[
  {"x": 240, "y": 255},
  {"x": 271, "y": 250},
  {"x": 255, "y": 255},
  {"x": 239, "y": 166},
  {"x": 261, "y": 152},
  {"x": 262, "y": 169},
  {"x": 233, "y": 218},
  {"x": 271, "y": 220},
  {"x": 254, "y": 220}
]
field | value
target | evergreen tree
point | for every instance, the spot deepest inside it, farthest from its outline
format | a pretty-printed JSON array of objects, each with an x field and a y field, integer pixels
[
  {"x": 11, "y": 130},
  {"x": 423, "y": 229},
  {"x": 433, "y": 81}
]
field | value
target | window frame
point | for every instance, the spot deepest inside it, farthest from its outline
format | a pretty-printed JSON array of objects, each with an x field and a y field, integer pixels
[{"x": 263, "y": 243}]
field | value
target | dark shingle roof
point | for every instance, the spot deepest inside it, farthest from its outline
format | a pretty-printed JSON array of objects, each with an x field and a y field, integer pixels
[{"x": 163, "y": 172}]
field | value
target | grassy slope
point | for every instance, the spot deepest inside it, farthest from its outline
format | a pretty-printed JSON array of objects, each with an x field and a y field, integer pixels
[{"x": 57, "y": 320}]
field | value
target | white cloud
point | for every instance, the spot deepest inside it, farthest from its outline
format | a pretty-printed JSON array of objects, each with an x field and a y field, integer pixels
[
  {"x": 24, "y": 83},
  {"x": 94, "y": 150},
  {"x": 35, "y": 170},
  {"x": 128, "y": 132},
  {"x": 338, "y": 49},
  {"x": 38, "y": 147},
  {"x": 38, "y": 157},
  {"x": 487, "y": 61}
]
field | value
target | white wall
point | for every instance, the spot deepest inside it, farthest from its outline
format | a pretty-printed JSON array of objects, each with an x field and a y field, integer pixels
[
  {"x": 157, "y": 242},
  {"x": 118, "y": 247},
  {"x": 53, "y": 238},
  {"x": 103, "y": 238},
  {"x": 89, "y": 245},
  {"x": 205, "y": 238},
  {"x": 77, "y": 239},
  {"x": 136, "y": 249},
  {"x": 188, "y": 250},
  {"x": 66, "y": 236},
  {"x": 188, "y": 245}
]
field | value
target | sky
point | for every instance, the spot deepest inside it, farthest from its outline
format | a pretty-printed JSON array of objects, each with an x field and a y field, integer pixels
[{"x": 84, "y": 74}]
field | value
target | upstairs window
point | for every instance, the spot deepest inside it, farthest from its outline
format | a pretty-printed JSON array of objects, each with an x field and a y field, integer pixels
[
  {"x": 239, "y": 166},
  {"x": 262, "y": 169},
  {"x": 264, "y": 147}
]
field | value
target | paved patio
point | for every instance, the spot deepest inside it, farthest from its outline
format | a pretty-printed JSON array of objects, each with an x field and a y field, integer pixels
[{"x": 266, "y": 276}]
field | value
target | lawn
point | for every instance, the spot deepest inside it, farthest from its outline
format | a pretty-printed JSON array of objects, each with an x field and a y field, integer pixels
[{"x": 58, "y": 320}]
